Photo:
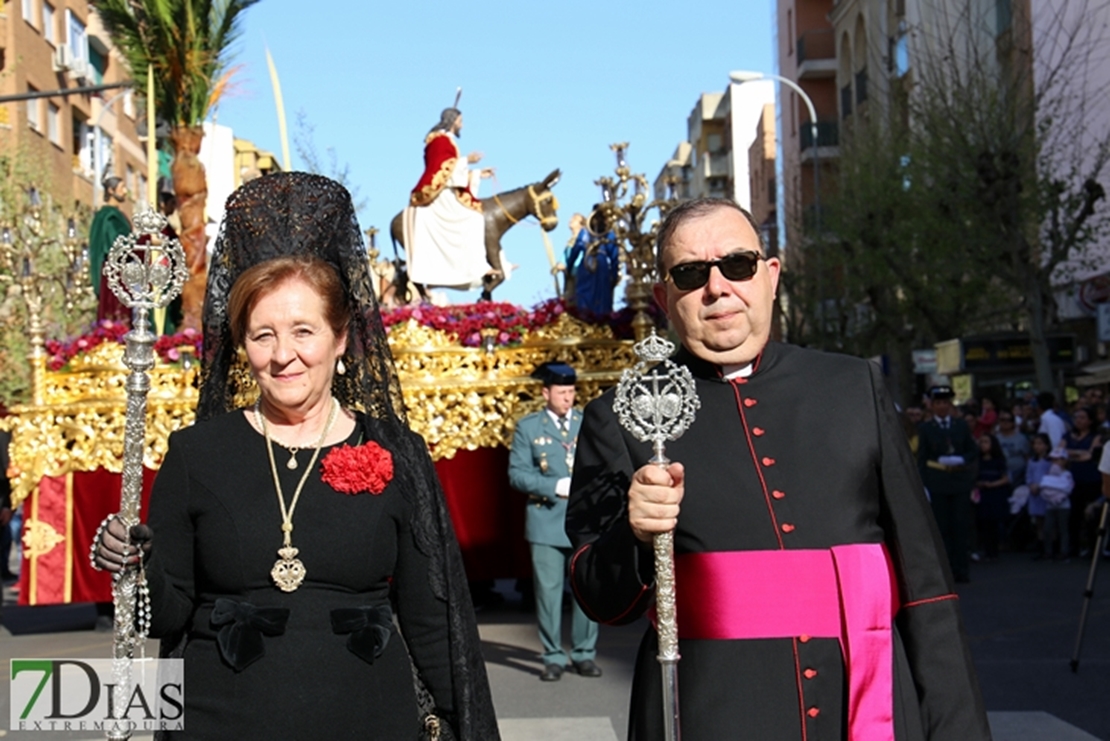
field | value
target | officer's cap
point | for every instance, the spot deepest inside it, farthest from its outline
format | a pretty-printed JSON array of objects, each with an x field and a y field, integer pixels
[{"x": 555, "y": 374}]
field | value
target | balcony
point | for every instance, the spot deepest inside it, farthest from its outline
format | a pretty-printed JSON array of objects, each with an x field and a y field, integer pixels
[
  {"x": 828, "y": 140},
  {"x": 716, "y": 165},
  {"x": 816, "y": 54}
]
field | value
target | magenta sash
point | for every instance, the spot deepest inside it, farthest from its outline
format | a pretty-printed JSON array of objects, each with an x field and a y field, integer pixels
[{"x": 846, "y": 592}]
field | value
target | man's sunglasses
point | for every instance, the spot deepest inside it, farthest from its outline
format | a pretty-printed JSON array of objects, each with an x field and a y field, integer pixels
[{"x": 693, "y": 275}]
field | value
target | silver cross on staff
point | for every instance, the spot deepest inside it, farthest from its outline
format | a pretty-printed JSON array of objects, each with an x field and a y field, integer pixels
[
  {"x": 656, "y": 401},
  {"x": 145, "y": 271}
]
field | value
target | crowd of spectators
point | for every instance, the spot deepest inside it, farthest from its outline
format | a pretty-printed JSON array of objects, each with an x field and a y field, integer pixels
[{"x": 1042, "y": 475}]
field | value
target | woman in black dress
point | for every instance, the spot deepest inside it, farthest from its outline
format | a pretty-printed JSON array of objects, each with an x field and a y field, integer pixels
[
  {"x": 994, "y": 489},
  {"x": 290, "y": 524}
]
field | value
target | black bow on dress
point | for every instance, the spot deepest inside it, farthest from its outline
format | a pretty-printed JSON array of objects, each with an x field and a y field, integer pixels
[
  {"x": 243, "y": 625},
  {"x": 369, "y": 629}
]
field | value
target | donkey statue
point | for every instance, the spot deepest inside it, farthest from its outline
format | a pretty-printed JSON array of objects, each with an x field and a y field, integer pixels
[{"x": 502, "y": 212}]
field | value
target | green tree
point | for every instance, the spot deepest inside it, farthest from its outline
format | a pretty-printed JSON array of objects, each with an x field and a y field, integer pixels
[
  {"x": 187, "y": 43},
  {"x": 964, "y": 203},
  {"x": 68, "y": 303}
]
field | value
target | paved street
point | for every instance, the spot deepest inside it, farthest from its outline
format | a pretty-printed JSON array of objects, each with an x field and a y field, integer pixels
[{"x": 1021, "y": 615}]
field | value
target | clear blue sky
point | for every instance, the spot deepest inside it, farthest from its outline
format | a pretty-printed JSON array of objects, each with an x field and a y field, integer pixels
[{"x": 545, "y": 85}]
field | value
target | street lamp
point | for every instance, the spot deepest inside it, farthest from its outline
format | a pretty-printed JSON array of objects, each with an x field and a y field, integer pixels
[{"x": 740, "y": 77}]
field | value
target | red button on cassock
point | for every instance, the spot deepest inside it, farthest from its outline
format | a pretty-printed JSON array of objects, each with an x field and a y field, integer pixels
[
  {"x": 768, "y": 461},
  {"x": 750, "y": 402},
  {"x": 803, "y": 638},
  {"x": 758, "y": 431},
  {"x": 810, "y": 673},
  {"x": 787, "y": 527},
  {"x": 778, "y": 494},
  {"x": 813, "y": 712}
]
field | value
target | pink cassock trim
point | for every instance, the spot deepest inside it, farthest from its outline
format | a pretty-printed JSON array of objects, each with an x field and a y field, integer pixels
[{"x": 843, "y": 593}]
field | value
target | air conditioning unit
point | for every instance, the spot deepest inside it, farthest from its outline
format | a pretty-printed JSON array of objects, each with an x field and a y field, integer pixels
[
  {"x": 63, "y": 58},
  {"x": 79, "y": 68}
]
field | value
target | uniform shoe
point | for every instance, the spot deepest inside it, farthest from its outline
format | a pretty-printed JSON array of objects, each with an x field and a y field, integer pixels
[
  {"x": 587, "y": 668},
  {"x": 551, "y": 673}
]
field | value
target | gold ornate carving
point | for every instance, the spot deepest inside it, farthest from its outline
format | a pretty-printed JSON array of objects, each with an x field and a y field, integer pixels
[
  {"x": 39, "y": 538},
  {"x": 458, "y": 398}
]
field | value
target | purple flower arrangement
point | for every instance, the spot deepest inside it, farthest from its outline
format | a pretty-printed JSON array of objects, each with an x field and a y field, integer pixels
[{"x": 168, "y": 347}]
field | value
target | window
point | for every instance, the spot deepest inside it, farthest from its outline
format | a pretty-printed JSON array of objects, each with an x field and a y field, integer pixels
[
  {"x": 76, "y": 36},
  {"x": 789, "y": 32},
  {"x": 34, "y": 110},
  {"x": 53, "y": 123},
  {"x": 105, "y": 160},
  {"x": 29, "y": 11},
  {"x": 129, "y": 104},
  {"x": 902, "y": 55},
  {"x": 98, "y": 64},
  {"x": 48, "y": 24},
  {"x": 714, "y": 142},
  {"x": 1004, "y": 15},
  {"x": 131, "y": 187},
  {"x": 82, "y": 143}
]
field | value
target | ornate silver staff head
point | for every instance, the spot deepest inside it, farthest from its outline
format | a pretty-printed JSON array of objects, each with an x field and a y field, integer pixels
[
  {"x": 656, "y": 399},
  {"x": 145, "y": 269}
]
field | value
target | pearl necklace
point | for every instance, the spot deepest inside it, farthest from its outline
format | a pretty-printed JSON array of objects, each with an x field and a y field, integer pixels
[{"x": 291, "y": 464}]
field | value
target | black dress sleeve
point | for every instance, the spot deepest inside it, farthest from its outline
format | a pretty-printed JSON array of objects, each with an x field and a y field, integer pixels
[
  {"x": 170, "y": 568},
  {"x": 929, "y": 620},
  {"x": 612, "y": 572},
  {"x": 423, "y": 616}
]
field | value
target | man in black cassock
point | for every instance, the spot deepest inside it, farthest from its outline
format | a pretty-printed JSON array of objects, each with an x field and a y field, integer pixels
[{"x": 814, "y": 599}]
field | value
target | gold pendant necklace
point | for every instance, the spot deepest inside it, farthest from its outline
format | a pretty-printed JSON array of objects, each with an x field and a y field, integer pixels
[{"x": 288, "y": 572}]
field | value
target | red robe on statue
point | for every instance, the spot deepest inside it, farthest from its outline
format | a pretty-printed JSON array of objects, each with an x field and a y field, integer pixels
[
  {"x": 441, "y": 154},
  {"x": 443, "y": 226}
]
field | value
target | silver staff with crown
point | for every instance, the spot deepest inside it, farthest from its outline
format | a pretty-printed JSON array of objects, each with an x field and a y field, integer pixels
[
  {"x": 146, "y": 271},
  {"x": 656, "y": 401}
]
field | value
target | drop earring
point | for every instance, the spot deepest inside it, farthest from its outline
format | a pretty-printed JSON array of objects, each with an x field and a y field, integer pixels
[{"x": 340, "y": 368}]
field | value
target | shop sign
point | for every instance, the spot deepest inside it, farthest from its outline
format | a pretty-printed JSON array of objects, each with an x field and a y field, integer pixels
[
  {"x": 924, "y": 361},
  {"x": 1103, "y": 322},
  {"x": 1014, "y": 352}
]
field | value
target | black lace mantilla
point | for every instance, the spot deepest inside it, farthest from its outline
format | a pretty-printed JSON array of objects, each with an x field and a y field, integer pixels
[{"x": 297, "y": 213}]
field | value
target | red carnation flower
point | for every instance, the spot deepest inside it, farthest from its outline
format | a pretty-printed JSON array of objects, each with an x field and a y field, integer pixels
[{"x": 367, "y": 467}]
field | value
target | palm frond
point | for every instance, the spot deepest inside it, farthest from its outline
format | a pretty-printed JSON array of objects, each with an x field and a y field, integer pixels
[{"x": 186, "y": 41}]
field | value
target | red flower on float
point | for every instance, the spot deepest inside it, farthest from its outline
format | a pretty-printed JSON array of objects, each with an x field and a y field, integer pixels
[{"x": 353, "y": 470}]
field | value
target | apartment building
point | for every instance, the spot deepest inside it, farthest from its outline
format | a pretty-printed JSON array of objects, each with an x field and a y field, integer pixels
[
  {"x": 72, "y": 141},
  {"x": 763, "y": 185},
  {"x": 806, "y": 54},
  {"x": 713, "y": 160}
]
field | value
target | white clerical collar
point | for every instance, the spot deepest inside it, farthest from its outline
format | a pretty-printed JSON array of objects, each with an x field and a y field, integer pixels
[{"x": 731, "y": 371}]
